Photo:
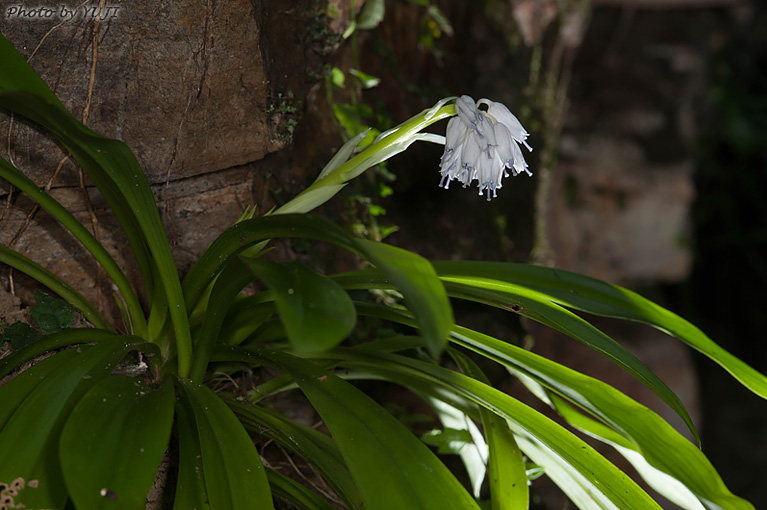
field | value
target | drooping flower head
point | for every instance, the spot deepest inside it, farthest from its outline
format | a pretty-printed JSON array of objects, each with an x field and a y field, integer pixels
[{"x": 482, "y": 145}]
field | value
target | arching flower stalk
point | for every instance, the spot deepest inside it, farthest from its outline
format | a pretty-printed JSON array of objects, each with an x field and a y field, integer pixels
[
  {"x": 483, "y": 145},
  {"x": 480, "y": 144}
]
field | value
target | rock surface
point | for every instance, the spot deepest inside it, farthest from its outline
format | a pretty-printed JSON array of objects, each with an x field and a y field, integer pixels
[{"x": 198, "y": 91}]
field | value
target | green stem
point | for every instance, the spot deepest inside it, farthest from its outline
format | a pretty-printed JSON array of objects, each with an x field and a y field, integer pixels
[{"x": 349, "y": 170}]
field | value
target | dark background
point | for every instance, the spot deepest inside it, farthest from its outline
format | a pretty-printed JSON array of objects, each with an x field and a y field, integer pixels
[{"x": 648, "y": 119}]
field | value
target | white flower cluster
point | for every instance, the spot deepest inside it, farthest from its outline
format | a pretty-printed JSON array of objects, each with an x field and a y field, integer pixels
[{"x": 482, "y": 145}]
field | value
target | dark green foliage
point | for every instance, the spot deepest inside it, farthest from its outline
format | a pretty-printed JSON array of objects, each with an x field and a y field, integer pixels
[{"x": 52, "y": 315}]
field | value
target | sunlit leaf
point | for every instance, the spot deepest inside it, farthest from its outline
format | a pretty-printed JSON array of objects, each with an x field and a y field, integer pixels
[
  {"x": 447, "y": 440},
  {"x": 666, "y": 485},
  {"x": 529, "y": 303},
  {"x": 603, "y": 477},
  {"x": 393, "y": 469},
  {"x": 506, "y": 469},
  {"x": 337, "y": 77},
  {"x": 368, "y": 81},
  {"x": 658, "y": 442},
  {"x": 600, "y": 298}
]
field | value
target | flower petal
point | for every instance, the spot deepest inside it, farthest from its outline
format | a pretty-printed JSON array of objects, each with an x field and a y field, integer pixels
[
  {"x": 482, "y": 145},
  {"x": 502, "y": 115}
]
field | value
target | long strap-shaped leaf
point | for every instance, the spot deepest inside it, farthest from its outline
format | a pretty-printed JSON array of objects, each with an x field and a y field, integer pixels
[
  {"x": 506, "y": 471},
  {"x": 233, "y": 475},
  {"x": 113, "y": 442},
  {"x": 393, "y": 469},
  {"x": 295, "y": 494},
  {"x": 604, "y": 477},
  {"x": 67, "y": 219},
  {"x": 303, "y": 441},
  {"x": 666, "y": 485},
  {"x": 658, "y": 442},
  {"x": 411, "y": 274},
  {"x": 113, "y": 168},
  {"x": 539, "y": 308},
  {"x": 66, "y": 337},
  {"x": 601, "y": 298},
  {"x": 56, "y": 284},
  {"x": 536, "y": 307},
  {"x": 654, "y": 438},
  {"x": 315, "y": 310},
  {"x": 30, "y": 435}
]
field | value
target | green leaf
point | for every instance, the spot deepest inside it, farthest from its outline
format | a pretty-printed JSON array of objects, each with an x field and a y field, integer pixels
[
  {"x": 472, "y": 448},
  {"x": 61, "y": 339},
  {"x": 340, "y": 157},
  {"x": 392, "y": 468},
  {"x": 68, "y": 221},
  {"x": 661, "y": 445},
  {"x": 305, "y": 442},
  {"x": 352, "y": 116},
  {"x": 411, "y": 274},
  {"x": 113, "y": 442},
  {"x": 294, "y": 493},
  {"x": 114, "y": 170},
  {"x": 368, "y": 81},
  {"x": 15, "y": 466},
  {"x": 349, "y": 30},
  {"x": 424, "y": 294},
  {"x": 232, "y": 470},
  {"x": 234, "y": 277},
  {"x": 52, "y": 315},
  {"x": 190, "y": 484},
  {"x": 20, "y": 334},
  {"x": 243, "y": 317},
  {"x": 506, "y": 469},
  {"x": 371, "y": 15},
  {"x": 337, "y": 77},
  {"x": 311, "y": 199},
  {"x": 666, "y": 485},
  {"x": 603, "y": 477},
  {"x": 447, "y": 441},
  {"x": 578, "y": 488},
  {"x": 30, "y": 435},
  {"x": 600, "y": 298},
  {"x": 316, "y": 312},
  {"x": 531, "y": 304},
  {"x": 14, "y": 392}
]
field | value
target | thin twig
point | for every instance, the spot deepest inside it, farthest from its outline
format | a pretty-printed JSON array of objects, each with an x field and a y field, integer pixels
[
  {"x": 53, "y": 29},
  {"x": 86, "y": 114}
]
